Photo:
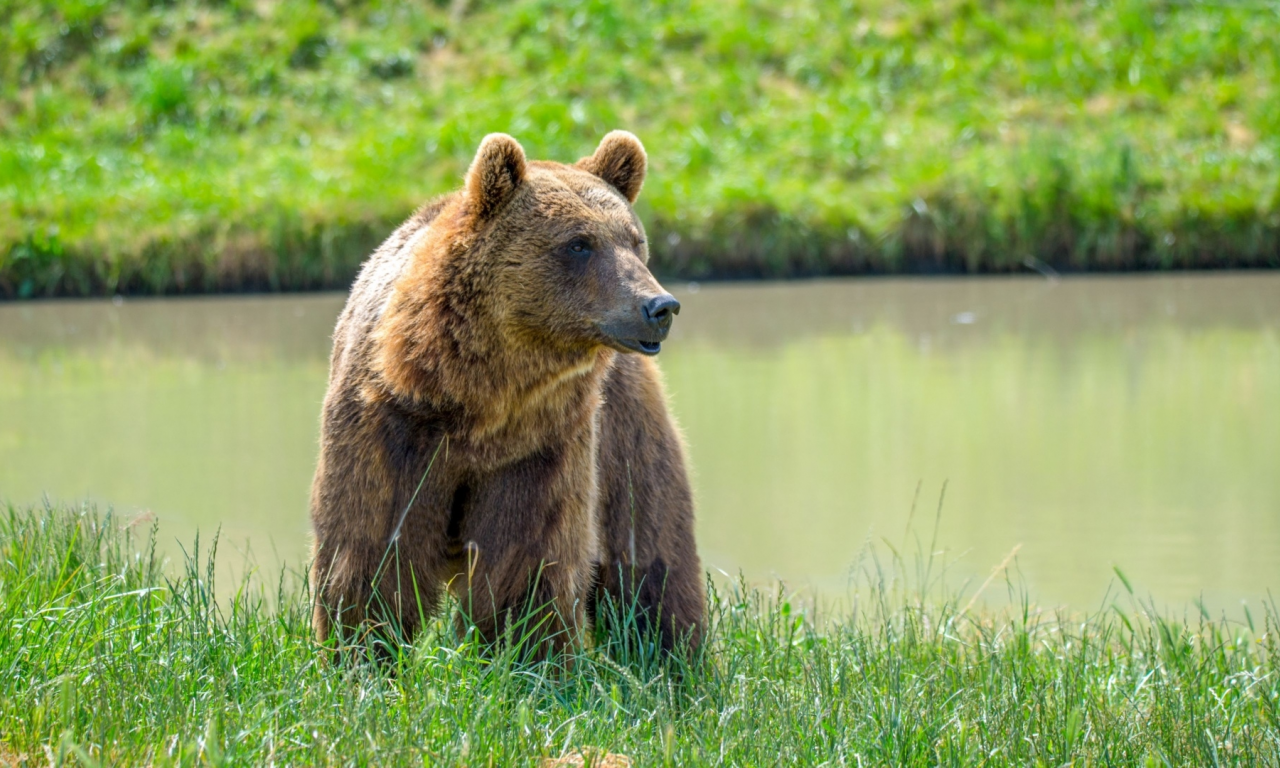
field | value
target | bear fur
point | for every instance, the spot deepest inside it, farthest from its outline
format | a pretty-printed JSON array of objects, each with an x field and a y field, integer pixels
[{"x": 489, "y": 428}]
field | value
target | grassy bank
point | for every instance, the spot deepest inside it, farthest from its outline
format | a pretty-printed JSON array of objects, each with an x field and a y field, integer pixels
[
  {"x": 183, "y": 146},
  {"x": 110, "y": 658}
]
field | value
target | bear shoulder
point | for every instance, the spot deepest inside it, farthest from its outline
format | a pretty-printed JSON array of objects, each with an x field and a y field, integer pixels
[{"x": 374, "y": 285}]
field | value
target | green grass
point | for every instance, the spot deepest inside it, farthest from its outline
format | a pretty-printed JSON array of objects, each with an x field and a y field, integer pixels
[
  {"x": 110, "y": 658},
  {"x": 182, "y": 146}
]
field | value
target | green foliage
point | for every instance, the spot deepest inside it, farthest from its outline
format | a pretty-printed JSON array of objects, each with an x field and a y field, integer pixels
[
  {"x": 159, "y": 143},
  {"x": 110, "y": 659},
  {"x": 166, "y": 92}
]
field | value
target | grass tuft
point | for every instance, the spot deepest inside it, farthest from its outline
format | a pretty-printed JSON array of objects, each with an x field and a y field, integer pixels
[{"x": 109, "y": 657}]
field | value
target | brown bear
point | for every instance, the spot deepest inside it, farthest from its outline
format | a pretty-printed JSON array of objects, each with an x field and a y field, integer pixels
[{"x": 495, "y": 424}]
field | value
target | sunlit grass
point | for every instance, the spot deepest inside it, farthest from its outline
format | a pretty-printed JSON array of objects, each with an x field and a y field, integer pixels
[
  {"x": 191, "y": 146},
  {"x": 110, "y": 657}
]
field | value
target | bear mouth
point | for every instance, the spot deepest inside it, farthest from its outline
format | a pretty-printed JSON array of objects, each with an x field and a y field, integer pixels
[{"x": 649, "y": 348}]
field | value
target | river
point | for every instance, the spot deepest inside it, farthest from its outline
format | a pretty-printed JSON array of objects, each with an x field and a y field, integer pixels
[{"x": 1089, "y": 422}]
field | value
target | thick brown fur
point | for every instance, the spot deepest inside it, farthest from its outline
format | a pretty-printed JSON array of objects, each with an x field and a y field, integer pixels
[{"x": 482, "y": 431}]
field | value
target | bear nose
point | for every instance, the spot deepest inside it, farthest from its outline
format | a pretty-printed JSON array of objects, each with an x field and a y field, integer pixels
[{"x": 660, "y": 311}]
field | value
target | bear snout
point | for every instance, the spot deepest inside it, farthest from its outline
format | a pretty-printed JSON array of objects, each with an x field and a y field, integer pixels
[
  {"x": 659, "y": 312},
  {"x": 644, "y": 328}
]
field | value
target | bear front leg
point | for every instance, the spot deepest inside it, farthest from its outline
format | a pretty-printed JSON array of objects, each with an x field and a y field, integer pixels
[
  {"x": 529, "y": 537},
  {"x": 654, "y": 602},
  {"x": 650, "y": 585},
  {"x": 381, "y": 594},
  {"x": 378, "y": 561}
]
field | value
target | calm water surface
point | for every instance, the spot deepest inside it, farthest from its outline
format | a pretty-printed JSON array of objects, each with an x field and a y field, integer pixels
[{"x": 1130, "y": 421}]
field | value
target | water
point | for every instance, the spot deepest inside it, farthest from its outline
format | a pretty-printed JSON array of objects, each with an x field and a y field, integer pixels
[{"x": 1091, "y": 422}]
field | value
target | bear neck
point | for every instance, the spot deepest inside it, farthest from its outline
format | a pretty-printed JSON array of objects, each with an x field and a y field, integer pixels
[{"x": 442, "y": 348}]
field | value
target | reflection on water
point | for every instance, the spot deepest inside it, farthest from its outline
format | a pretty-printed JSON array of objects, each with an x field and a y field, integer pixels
[{"x": 1132, "y": 421}]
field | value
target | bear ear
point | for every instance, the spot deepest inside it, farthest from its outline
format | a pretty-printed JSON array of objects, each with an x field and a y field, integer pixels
[
  {"x": 619, "y": 160},
  {"x": 495, "y": 173}
]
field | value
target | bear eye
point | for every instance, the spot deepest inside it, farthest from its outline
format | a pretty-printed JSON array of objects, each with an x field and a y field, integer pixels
[{"x": 579, "y": 247}]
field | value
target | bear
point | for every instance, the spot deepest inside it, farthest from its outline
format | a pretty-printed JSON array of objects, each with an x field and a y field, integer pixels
[{"x": 495, "y": 424}]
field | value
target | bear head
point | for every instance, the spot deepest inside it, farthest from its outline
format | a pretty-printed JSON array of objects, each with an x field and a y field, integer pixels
[
  {"x": 565, "y": 251},
  {"x": 533, "y": 267}
]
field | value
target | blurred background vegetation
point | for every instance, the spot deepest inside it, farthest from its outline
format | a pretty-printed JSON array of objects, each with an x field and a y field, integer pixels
[{"x": 186, "y": 147}]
